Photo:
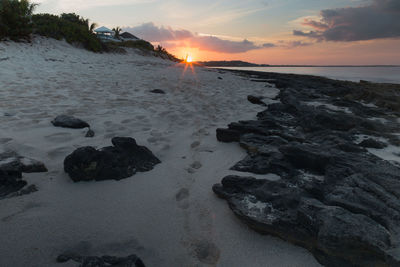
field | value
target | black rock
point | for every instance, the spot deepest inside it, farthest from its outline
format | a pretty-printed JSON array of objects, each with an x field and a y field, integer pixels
[
  {"x": 103, "y": 261},
  {"x": 67, "y": 121},
  {"x": 333, "y": 197},
  {"x": 12, "y": 166},
  {"x": 157, "y": 91},
  {"x": 372, "y": 143},
  {"x": 10, "y": 182},
  {"x": 12, "y": 162},
  {"x": 116, "y": 162},
  {"x": 90, "y": 133},
  {"x": 255, "y": 100}
]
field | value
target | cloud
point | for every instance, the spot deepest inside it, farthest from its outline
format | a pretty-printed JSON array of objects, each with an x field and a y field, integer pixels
[
  {"x": 152, "y": 33},
  {"x": 174, "y": 38},
  {"x": 268, "y": 45},
  {"x": 377, "y": 20},
  {"x": 87, "y": 4}
]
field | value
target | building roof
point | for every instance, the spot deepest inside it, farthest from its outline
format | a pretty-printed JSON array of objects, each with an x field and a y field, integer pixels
[
  {"x": 104, "y": 30},
  {"x": 128, "y": 35}
]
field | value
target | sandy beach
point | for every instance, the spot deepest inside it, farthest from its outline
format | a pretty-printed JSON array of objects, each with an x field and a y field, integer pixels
[{"x": 168, "y": 216}]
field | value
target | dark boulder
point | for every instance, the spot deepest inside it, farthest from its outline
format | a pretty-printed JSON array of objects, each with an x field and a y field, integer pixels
[
  {"x": 12, "y": 166},
  {"x": 334, "y": 197},
  {"x": 90, "y": 133},
  {"x": 372, "y": 143},
  {"x": 67, "y": 121},
  {"x": 116, "y": 162},
  {"x": 103, "y": 261},
  {"x": 10, "y": 182},
  {"x": 12, "y": 162},
  {"x": 255, "y": 100}
]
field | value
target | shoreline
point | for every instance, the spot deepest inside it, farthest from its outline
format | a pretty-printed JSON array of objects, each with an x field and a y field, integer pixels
[
  {"x": 334, "y": 146},
  {"x": 333, "y": 73}
]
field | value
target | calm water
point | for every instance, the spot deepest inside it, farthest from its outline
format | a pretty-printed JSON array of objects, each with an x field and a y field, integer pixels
[{"x": 373, "y": 74}]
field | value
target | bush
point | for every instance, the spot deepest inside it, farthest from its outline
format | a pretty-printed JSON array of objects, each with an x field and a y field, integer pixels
[
  {"x": 163, "y": 53},
  {"x": 139, "y": 44},
  {"x": 71, "y": 27},
  {"x": 15, "y": 19}
]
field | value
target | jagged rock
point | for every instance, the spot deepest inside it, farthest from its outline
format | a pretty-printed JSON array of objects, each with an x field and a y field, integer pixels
[
  {"x": 90, "y": 133},
  {"x": 116, "y": 162},
  {"x": 12, "y": 166},
  {"x": 67, "y": 121},
  {"x": 103, "y": 261},
  {"x": 333, "y": 197},
  {"x": 12, "y": 162},
  {"x": 255, "y": 100},
  {"x": 157, "y": 91},
  {"x": 372, "y": 143},
  {"x": 10, "y": 182}
]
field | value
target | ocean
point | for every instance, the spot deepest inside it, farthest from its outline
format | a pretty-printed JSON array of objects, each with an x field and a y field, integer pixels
[{"x": 372, "y": 74}]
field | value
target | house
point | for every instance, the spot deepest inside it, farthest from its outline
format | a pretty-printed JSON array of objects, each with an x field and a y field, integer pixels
[
  {"x": 105, "y": 34},
  {"x": 126, "y": 36}
]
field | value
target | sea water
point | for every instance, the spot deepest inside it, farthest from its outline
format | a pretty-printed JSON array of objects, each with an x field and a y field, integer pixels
[{"x": 381, "y": 74}]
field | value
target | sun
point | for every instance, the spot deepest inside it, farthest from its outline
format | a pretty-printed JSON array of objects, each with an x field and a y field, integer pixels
[{"x": 189, "y": 59}]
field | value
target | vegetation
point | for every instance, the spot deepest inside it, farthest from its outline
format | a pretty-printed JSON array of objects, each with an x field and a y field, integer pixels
[
  {"x": 162, "y": 52},
  {"x": 139, "y": 44},
  {"x": 143, "y": 45},
  {"x": 18, "y": 23},
  {"x": 15, "y": 19},
  {"x": 71, "y": 27},
  {"x": 117, "y": 32}
]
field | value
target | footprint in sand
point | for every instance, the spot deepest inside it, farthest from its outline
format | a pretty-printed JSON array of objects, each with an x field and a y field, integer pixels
[
  {"x": 196, "y": 165},
  {"x": 206, "y": 251},
  {"x": 193, "y": 167},
  {"x": 195, "y": 144},
  {"x": 60, "y": 151},
  {"x": 59, "y": 137},
  {"x": 182, "y": 198}
]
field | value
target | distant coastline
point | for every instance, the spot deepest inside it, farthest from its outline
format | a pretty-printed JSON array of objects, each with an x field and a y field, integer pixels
[
  {"x": 239, "y": 63},
  {"x": 333, "y": 66},
  {"x": 233, "y": 63}
]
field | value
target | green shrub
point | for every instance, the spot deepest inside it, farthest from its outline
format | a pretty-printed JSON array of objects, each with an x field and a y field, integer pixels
[
  {"x": 15, "y": 19},
  {"x": 17, "y": 23},
  {"x": 140, "y": 44},
  {"x": 71, "y": 27}
]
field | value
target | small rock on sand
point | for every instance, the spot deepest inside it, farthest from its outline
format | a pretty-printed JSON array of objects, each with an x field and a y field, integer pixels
[
  {"x": 67, "y": 121},
  {"x": 157, "y": 91}
]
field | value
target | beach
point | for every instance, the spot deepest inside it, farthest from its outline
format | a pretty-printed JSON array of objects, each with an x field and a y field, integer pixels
[{"x": 168, "y": 216}]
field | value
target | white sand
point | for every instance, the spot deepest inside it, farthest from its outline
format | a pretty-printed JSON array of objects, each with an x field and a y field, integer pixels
[{"x": 140, "y": 214}]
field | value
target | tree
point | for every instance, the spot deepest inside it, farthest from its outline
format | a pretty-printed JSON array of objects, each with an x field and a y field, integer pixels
[
  {"x": 16, "y": 19},
  {"x": 117, "y": 32},
  {"x": 92, "y": 27}
]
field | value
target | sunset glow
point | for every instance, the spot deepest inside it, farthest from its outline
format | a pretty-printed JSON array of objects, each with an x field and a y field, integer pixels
[{"x": 270, "y": 32}]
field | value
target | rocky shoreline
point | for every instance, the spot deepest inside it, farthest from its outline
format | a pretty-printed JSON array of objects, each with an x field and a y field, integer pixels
[{"x": 335, "y": 146}]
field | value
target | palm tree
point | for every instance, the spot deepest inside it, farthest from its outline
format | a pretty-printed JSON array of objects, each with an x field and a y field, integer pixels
[
  {"x": 92, "y": 26},
  {"x": 117, "y": 31}
]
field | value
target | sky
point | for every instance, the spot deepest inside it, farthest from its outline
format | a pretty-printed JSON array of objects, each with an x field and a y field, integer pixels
[{"x": 311, "y": 32}]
